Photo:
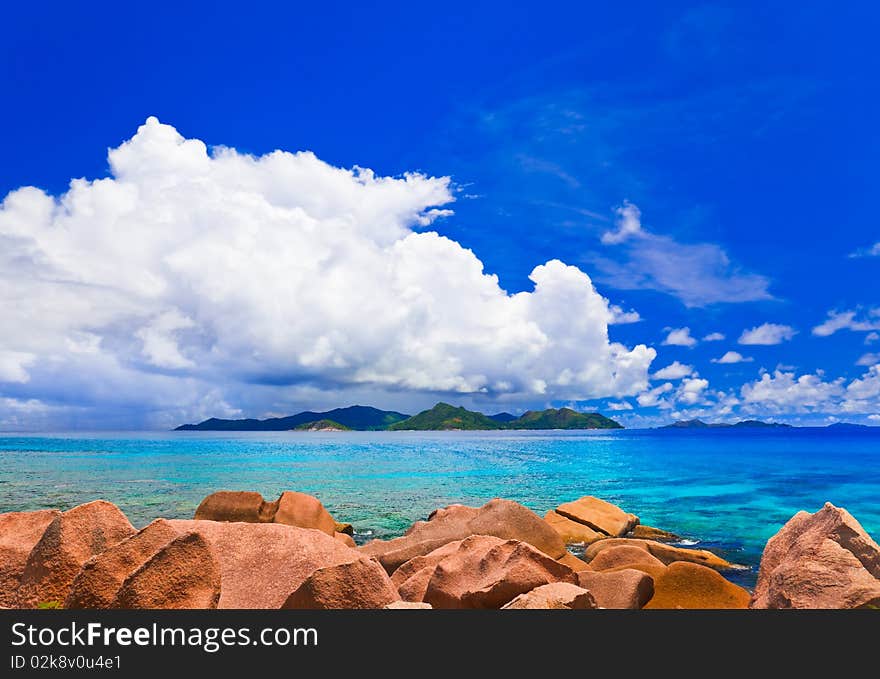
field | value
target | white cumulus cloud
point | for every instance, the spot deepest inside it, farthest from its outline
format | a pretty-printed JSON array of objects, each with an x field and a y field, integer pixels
[
  {"x": 733, "y": 357},
  {"x": 673, "y": 371},
  {"x": 621, "y": 317},
  {"x": 767, "y": 334},
  {"x": 690, "y": 391},
  {"x": 714, "y": 337},
  {"x": 784, "y": 392},
  {"x": 195, "y": 281},
  {"x": 652, "y": 397},
  {"x": 680, "y": 337}
]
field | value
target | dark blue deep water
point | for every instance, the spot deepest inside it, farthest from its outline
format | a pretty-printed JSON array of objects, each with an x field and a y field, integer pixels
[{"x": 726, "y": 490}]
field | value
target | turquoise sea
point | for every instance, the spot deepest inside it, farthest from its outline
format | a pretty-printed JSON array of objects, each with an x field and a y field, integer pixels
[{"x": 726, "y": 490}]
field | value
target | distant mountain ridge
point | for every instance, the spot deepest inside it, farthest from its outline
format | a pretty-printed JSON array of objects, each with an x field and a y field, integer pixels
[
  {"x": 562, "y": 418},
  {"x": 848, "y": 425},
  {"x": 699, "y": 424},
  {"x": 364, "y": 418},
  {"x": 502, "y": 417},
  {"x": 442, "y": 417},
  {"x": 446, "y": 417}
]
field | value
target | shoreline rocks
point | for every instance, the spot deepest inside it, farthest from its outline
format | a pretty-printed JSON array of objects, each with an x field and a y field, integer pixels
[
  {"x": 667, "y": 554},
  {"x": 626, "y": 588},
  {"x": 570, "y": 531},
  {"x": 599, "y": 515},
  {"x": 482, "y": 571},
  {"x": 692, "y": 586},
  {"x": 291, "y": 509},
  {"x": 498, "y": 556}
]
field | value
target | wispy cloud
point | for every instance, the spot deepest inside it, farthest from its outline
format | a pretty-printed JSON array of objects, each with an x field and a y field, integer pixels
[
  {"x": 698, "y": 274},
  {"x": 848, "y": 320},
  {"x": 714, "y": 337},
  {"x": 534, "y": 164},
  {"x": 872, "y": 251}
]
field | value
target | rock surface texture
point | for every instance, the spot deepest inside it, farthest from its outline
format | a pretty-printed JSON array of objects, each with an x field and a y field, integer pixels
[
  {"x": 603, "y": 517},
  {"x": 182, "y": 574},
  {"x": 627, "y": 588},
  {"x": 665, "y": 553},
  {"x": 557, "y": 595},
  {"x": 821, "y": 560},
  {"x": 73, "y": 537},
  {"x": 689, "y": 585},
  {"x": 100, "y": 578},
  {"x": 482, "y": 571},
  {"x": 19, "y": 532},
  {"x": 503, "y": 519},
  {"x": 261, "y": 564},
  {"x": 290, "y": 509},
  {"x": 359, "y": 584}
]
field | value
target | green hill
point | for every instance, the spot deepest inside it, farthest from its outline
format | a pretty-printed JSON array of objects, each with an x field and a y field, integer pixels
[
  {"x": 321, "y": 425},
  {"x": 445, "y": 417},
  {"x": 562, "y": 418}
]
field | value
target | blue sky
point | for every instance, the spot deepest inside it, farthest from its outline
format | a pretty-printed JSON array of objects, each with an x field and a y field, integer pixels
[{"x": 708, "y": 166}]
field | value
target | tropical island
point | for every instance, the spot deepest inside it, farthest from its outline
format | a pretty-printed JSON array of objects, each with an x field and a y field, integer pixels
[{"x": 442, "y": 417}]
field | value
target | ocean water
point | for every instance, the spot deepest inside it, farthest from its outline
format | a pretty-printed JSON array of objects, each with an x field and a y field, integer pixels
[{"x": 725, "y": 490}]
